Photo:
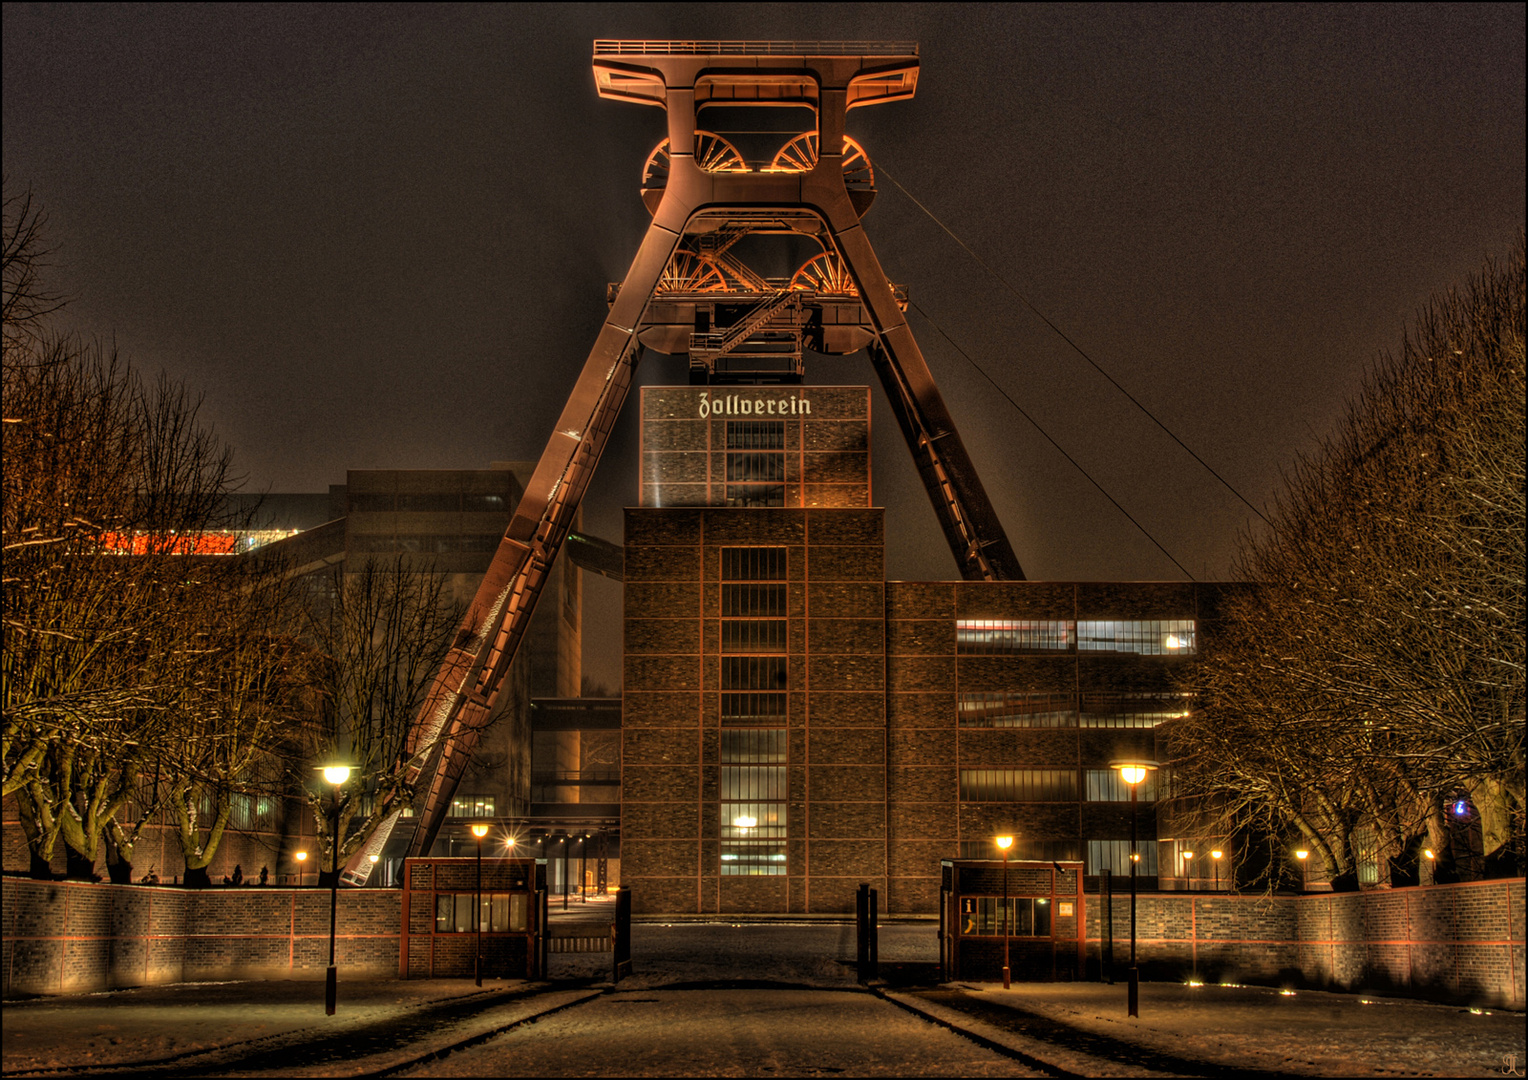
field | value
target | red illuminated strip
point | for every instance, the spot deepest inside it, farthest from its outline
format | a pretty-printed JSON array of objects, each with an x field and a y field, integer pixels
[{"x": 179, "y": 544}]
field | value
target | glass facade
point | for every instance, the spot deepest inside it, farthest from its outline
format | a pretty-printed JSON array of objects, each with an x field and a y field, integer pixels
[{"x": 1148, "y": 637}]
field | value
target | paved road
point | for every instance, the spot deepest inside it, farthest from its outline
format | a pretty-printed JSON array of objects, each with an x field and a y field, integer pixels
[{"x": 729, "y": 1032}]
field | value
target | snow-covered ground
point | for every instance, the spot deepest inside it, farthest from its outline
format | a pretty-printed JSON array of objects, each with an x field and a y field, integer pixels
[{"x": 755, "y": 998}]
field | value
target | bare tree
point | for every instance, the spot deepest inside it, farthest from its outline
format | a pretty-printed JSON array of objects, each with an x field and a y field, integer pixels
[
  {"x": 379, "y": 634},
  {"x": 107, "y": 656},
  {"x": 1378, "y": 671}
]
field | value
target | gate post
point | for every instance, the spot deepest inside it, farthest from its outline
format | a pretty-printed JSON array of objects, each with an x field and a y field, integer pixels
[
  {"x": 541, "y": 932},
  {"x": 1107, "y": 936},
  {"x": 873, "y": 920},
  {"x": 862, "y": 932},
  {"x": 620, "y": 959}
]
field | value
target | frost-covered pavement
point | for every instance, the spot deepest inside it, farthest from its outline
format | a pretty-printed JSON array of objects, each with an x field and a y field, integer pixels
[
  {"x": 1083, "y": 1028},
  {"x": 768, "y": 998},
  {"x": 729, "y": 1032}
]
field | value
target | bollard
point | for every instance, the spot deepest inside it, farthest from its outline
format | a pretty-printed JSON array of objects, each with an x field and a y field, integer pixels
[{"x": 620, "y": 958}]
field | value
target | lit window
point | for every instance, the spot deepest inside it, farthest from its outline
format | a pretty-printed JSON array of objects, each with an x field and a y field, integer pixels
[
  {"x": 1106, "y": 785},
  {"x": 500, "y": 913},
  {"x": 753, "y": 808},
  {"x": 1018, "y": 785},
  {"x": 1026, "y": 917},
  {"x": 1134, "y": 709},
  {"x": 986, "y": 637},
  {"x": 1114, "y": 856},
  {"x": 1016, "y": 710},
  {"x": 472, "y": 806},
  {"x": 1151, "y": 637}
]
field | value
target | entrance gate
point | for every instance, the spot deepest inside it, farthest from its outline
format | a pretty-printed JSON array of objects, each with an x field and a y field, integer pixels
[
  {"x": 440, "y": 937},
  {"x": 1044, "y": 922}
]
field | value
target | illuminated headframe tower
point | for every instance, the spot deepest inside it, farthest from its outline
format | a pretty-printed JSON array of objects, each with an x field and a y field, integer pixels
[{"x": 691, "y": 289}]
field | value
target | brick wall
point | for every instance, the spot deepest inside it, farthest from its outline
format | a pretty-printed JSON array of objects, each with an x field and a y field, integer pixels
[
  {"x": 74, "y": 937},
  {"x": 1459, "y": 942}
]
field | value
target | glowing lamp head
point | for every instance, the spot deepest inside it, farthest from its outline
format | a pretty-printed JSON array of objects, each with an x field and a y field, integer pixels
[
  {"x": 1004, "y": 842},
  {"x": 1132, "y": 771},
  {"x": 336, "y": 774},
  {"x": 1427, "y": 853},
  {"x": 1302, "y": 854},
  {"x": 480, "y": 831},
  {"x": 1188, "y": 854},
  {"x": 745, "y": 822},
  {"x": 301, "y": 856},
  {"x": 1217, "y": 853},
  {"x": 374, "y": 859},
  {"x": 509, "y": 841}
]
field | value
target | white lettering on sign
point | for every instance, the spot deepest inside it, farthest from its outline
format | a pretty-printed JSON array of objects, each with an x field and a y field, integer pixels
[{"x": 737, "y": 405}]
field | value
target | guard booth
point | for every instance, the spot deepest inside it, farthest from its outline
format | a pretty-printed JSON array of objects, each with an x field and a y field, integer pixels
[
  {"x": 439, "y": 937},
  {"x": 1045, "y": 920}
]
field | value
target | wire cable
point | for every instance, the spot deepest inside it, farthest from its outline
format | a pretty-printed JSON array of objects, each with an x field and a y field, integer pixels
[
  {"x": 881, "y": 171},
  {"x": 1053, "y": 442}
]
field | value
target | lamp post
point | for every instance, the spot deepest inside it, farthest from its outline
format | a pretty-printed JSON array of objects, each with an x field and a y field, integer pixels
[
  {"x": 1132, "y": 771},
  {"x": 1302, "y": 854},
  {"x": 336, "y": 775},
  {"x": 1004, "y": 843},
  {"x": 302, "y": 858},
  {"x": 373, "y": 859},
  {"x": 1216, "y": 855},
  {"x": 479, "y": 831},
  {"x": 1188, "y": 870}
]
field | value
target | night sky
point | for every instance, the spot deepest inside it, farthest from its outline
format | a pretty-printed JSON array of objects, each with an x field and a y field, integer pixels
[{"x": 380, "y": 237}]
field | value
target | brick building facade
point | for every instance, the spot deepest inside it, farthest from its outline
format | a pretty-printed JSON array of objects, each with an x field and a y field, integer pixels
[{"x": 794, "y": 724}]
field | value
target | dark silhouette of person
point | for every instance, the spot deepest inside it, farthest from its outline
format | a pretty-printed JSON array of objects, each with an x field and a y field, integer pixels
[
  {"x": 238, "y": 874},
  {"x": 265, "y": 875}
]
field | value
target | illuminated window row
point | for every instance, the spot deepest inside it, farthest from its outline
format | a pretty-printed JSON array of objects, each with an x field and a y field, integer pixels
[
  {"x": 478, "y": 806},
  {"x": 1050, "y": 785},
  {"x": 1018, "y": 785},
  {"x": 1150, "y": 637},
  {"x": 498, "y": 913},
  {"x": 1024, "y": 709},
  {"x": 1026, "y": 916}
]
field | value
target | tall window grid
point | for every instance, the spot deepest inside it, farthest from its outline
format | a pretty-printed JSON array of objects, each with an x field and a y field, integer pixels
[
  {"x": 755, "y": 463},
  {"x": 754, "y": 683}
]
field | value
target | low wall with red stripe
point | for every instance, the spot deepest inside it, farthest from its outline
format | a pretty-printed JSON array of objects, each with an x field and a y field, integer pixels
[
  {"x": 1458, "y": 943},
  {"x": 65, "y": 937}
]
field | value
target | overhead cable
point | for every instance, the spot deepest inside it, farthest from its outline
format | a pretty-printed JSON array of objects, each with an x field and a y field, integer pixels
[
  {"x": 881, "y": 171},
  {"x": 1053, "y": 442}
]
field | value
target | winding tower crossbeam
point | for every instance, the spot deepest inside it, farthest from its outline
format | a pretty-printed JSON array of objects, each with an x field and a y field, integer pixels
[{"x": 705, "y": 198}]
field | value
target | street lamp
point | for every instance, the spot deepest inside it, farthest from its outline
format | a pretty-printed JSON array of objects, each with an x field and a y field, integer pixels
[
  {"x": 335, "y": 775},
  {"x": 1188, "y": 870},
  {"x": 479, "y": 831},
  {"x": 1216, "y": 855},
  {"x": 1302, "y": 854},
  {"x": 301, "y": 857},
  {"x": 1004, "y": 843},
  {"x": 1132, "y": 771}
]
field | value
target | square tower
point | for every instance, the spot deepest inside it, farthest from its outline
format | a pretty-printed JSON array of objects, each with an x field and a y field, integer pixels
[{"x": 753, "y": 723}]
